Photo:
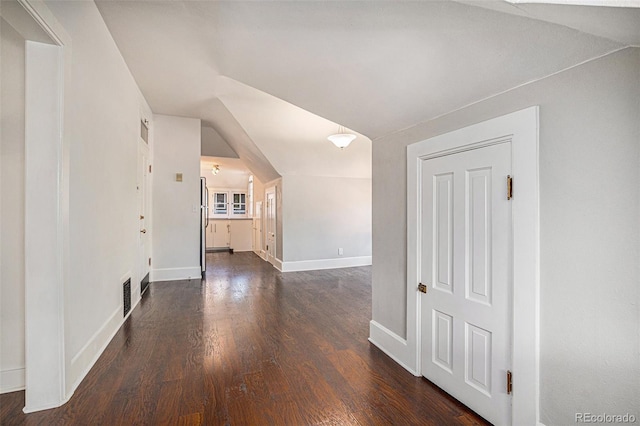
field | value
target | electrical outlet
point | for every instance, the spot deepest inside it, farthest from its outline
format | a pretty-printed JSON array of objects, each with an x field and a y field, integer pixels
[{"x": 340, "y": 251}]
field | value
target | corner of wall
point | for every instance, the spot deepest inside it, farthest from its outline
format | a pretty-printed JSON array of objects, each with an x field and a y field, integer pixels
[
  {"x": 12, "y": 380},
  {"x": 393, "y": 345}
]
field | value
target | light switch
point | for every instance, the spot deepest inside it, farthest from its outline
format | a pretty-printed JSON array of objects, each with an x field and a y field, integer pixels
[{"x": 178, "y": 177}]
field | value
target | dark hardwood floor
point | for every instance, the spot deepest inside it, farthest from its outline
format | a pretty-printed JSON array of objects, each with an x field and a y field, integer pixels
[{"x": 249, "y": 346}]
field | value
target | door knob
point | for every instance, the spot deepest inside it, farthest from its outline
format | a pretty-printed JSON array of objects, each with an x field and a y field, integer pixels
[{"x": 144, "y": 231}]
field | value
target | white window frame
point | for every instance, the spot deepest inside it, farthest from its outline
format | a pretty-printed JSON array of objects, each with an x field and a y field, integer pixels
[
  {"x": 230, "y": 212},
  {"x": 214, "y": 204},
  {"x": 240, "y": 204}
]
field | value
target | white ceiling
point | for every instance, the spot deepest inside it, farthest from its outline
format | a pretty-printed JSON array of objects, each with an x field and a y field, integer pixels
[
  {"x": 620, "y": 24},
  {"x": 233, "y": 173},
  {"x": 294, "y": 140},
  {"x": 252, "y": 70}
]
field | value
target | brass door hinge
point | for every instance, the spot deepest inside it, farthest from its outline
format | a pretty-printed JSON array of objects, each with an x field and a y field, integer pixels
[
  {"x": 422, "y": 288},
  {"x": 509, "y": 382},
  {"x": 149, "y": 261},
  {"x": 149, "y": 168},
  {"x": 509, "y": 187}
]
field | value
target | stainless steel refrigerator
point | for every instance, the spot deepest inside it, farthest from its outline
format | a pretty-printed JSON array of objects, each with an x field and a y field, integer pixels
[{"x": 204, "y": 222}]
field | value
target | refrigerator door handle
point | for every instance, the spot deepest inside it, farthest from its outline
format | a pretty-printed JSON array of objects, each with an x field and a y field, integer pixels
[{"x": 206, "y": 207}]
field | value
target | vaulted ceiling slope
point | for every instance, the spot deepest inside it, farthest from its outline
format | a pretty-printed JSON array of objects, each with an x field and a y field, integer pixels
[
  {"x": 617, "y": 23},
  {"x": 375, "y": 67}
]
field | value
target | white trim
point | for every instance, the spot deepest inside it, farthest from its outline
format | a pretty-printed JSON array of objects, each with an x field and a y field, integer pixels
[
  {"x": 45, "y": 305},
  {"x": 272, "y": 259},
  {"x": 91, "y": 351},
  {"x": 174, "y": 274},
  {"x": 391, "y": 344},
  {"x": 522, "y": 129},
  {"x": 36, "y": 408},
  {"x": 277, "y": 263},
  {"x": 313, "y": 265},
  {"x": 44, "y": 275},
  {"x": 88, "y": 350},
  {"x": 86, "y": 357},
  {"x": 43, "y": 16},
  {"x": 12, "y": 380},
  {"x": 261, "y": 254}
]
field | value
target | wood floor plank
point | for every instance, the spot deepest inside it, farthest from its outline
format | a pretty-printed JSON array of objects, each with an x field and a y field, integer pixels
[{"x": 249, "y": 345}]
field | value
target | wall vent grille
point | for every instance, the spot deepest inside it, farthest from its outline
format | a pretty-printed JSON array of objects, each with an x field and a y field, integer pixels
[
  {"x": 144, "y": 284},
  {"x": 144, "y": 131},
  {"x": 126, "y": 293}
]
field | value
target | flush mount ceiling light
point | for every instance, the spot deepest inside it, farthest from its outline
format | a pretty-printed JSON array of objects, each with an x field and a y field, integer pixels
[
  {"x": 342, "y": 139},
  {"x": 215, "y": 170}
]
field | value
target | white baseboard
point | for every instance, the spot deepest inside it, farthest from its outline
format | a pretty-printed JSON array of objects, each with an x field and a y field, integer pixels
[
  {"x": 86, "y": 357},
  {"x": 314, "y": 265},
  {"x": 173, "y": 274},
  {"x": 12, "y": 380},
  {"x": 261, "y": 254},
  {"x": 28, "y": 410},
  {"x": 392, "y": 345},
  {"x": 277, "y": 263}
]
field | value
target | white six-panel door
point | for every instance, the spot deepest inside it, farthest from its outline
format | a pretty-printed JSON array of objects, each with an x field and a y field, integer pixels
[{"x": 465, "y": 263}]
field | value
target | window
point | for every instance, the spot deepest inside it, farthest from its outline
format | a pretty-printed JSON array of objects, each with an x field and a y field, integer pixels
[
  {"x": 239, "y": 203},
  {"x": 229, "y": 203},
  {"x": 220, "y": 203}
]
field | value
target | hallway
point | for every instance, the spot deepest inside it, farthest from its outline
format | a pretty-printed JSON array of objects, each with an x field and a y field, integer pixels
[{"x": 249, "y": 345}]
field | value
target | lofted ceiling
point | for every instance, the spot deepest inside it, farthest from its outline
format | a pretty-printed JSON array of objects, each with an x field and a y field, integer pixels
[
  {"x": 620, "y": 24},
  {"x": 233, "y": 173},
  {"x": 272, "y": 77}
]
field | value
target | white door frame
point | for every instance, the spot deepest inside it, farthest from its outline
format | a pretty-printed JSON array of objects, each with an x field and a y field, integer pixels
[
  {"x": 521, "y": 128},
  {"x": 258, "y": 246},
  {"x": 47, "y": 73},
  {"x": 271, "y": 254},
  {"x": 144, "y": 266}
]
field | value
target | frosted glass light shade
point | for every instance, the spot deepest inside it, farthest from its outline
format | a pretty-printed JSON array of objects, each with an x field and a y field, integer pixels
[{"x": 342, "y": 140}]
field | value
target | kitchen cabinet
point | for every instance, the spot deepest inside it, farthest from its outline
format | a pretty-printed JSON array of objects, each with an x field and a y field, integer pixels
[{"x": 230, "y": 233}]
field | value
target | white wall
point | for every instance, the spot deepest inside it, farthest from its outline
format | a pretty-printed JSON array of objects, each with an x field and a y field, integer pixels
[
  {"x": 214, "y": 145},
  {"x": 176, "y": 205},
  {"x": 103, "y": 109},
  {"x": 589, "y": 224},
  {"x": 323, "y": 214},
  {"x": 12, "y": 204}
]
